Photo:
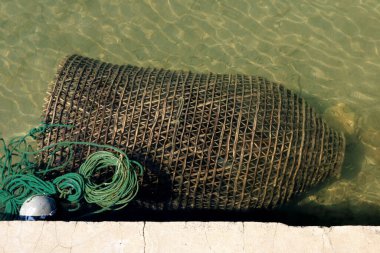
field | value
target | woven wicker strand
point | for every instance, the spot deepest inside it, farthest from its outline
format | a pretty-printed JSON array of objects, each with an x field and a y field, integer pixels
[{"x": 207, "y": 141}]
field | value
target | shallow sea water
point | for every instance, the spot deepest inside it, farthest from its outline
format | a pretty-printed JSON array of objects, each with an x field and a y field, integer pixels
[{"x": 327, "y": 51}]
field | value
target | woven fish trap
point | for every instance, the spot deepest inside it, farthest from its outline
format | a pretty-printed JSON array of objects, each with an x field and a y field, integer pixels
[{"x": 207, "y": 141}]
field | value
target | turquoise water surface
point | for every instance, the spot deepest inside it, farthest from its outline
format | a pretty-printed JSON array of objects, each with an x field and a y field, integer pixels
[{"x": 327, "y": 51}]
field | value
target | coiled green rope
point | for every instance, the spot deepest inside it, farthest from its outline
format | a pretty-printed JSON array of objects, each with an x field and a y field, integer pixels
[
  {"x": 19, "y": 175},
  {"x": 70, "y": 187},
  {"x": 120, "y": 190}
]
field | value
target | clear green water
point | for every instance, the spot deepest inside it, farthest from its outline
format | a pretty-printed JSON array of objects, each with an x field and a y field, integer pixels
[{"x": 327, "y": 51}]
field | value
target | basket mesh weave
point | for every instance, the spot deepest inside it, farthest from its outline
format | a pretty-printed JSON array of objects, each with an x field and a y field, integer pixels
[{"x": 207, "y": 141}]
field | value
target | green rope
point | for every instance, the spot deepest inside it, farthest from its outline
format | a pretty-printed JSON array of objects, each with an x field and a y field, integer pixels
[
  {"x": 123, "y": 186},
  {"x": 17, "y": 188},
  {"x": 19, "y": 175},
  {"x": 70, "y": 186}
]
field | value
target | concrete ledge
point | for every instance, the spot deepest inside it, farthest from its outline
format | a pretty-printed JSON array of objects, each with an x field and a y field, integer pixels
[{"x": 17, "y": 236}]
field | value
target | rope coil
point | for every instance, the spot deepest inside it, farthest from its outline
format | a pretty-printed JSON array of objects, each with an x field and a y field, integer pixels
[
  {"x": 120, "y": 190},
  {"x": 20, "y": 178}
]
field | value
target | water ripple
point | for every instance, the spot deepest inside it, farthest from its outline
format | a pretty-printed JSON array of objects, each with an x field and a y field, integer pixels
[{"x": 326, "y": 50}]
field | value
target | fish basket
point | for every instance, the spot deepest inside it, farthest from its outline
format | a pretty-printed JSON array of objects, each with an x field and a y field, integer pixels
[{"x": 207, "y": 141}]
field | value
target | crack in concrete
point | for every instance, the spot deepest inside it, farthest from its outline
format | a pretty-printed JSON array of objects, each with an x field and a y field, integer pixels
[
  {"x": 143, "y": 233},
  {"x": 329, "y": 236},
  {"x": 39, "y": 237},
  {"x": 329, "y": 239},
  {"x": 58, "y": 242},
  {"x": 323, "y": 242},
  {"x": 274, "y": 237},
  {"x": 71, "y": 241},
  {"x": 208, "y": 243},
  {"x": 243, "y": 236},
  {"x": 121, "y": 242}
]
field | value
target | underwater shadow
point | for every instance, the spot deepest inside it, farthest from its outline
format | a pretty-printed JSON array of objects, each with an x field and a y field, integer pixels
[
  {"x": 306, "y": 216},
  {"x": 309, "y": 214}
]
